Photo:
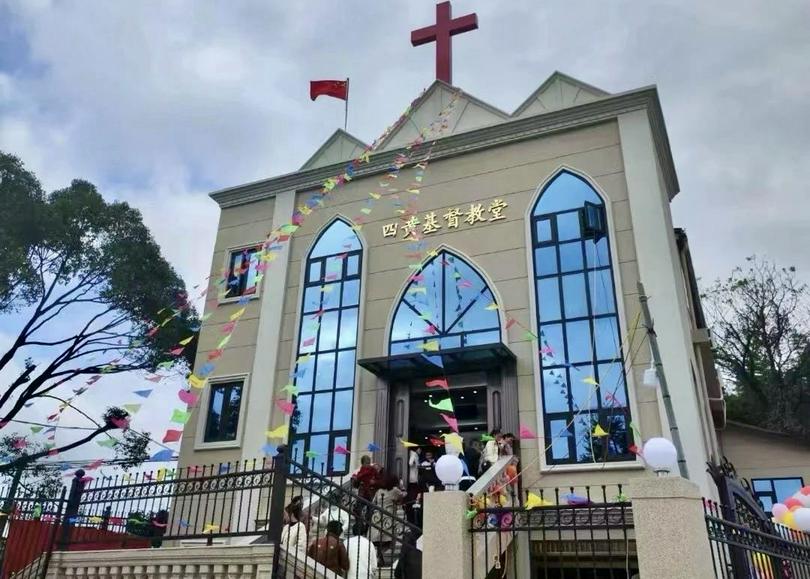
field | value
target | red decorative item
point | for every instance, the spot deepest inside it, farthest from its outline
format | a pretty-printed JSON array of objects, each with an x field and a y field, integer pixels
[
  {"x": 440, "y": 33},
  {"x": 338, "y": 89},
  {"x": 172, "y": 436}
]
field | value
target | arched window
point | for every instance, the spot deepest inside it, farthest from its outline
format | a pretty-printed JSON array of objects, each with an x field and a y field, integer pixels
[
  {"x": 578, "y": 324},
  {"x": 446, "y": 303},
  {"x": 327, "y": 346}
]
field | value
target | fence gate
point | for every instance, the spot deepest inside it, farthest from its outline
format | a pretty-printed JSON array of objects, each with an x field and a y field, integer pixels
[{"x": 745, "y": 543}]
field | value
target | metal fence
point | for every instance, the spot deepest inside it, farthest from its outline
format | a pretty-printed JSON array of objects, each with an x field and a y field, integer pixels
[
  {"x": 574, "y": 532},
  {"x": 762, "y": 551}
]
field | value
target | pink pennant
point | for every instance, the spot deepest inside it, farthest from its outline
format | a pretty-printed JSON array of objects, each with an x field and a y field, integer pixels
[
  {"x": 176, "y": 351},
  {"x": 285, "y": 406},
  {"x": 452, "y": 422},
  {"x": 431, "y": 329},
  {"x": 86, "y": 479},
  {"x": 525, "y": 432},
  {"x": 155, "y": 378},
  {"x": 228, "y": 328},
  {"x": 547, "y": 351},
  {"x": 122, "y": 423},
  {"x": 465, "y": 283},
  {"x": 308, "y": 342},
  {"x": 153, "y": 331},
  {"x": 417, "y": 277},
  {"x": 172, "y": 435},
  {"x": 95, "y": 464},
  {"x": 438, "y": 382},
  {"x": 20, "y": 443},
  {"x": 340, "y": 449},
  {"x": 215, "y": 354},
  {"x": 510, "y": 322},
  {"x": 188, "y": 397}
]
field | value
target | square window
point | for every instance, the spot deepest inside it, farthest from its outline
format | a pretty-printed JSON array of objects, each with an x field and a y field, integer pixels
[
  {"x": 548, "y": 299},
  {"x": 568, "y": 226},
  {"x": 576, "y": 304},
  {"x": 352, "y": 265},
  {"x": 339, "y": 462},
  {"x": 314, "y": 271},
  {"x": 571, "y": 256},
  {"x": 578, "y": 340},
  {"x": 545, "y": 261},
  {"x": 222, "y": 418},
  {"x": 543, "y": 230},
  {"x": 242, "y": 272}
]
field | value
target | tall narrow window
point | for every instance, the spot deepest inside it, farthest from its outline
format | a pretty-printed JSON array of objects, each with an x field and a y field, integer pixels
[
  {"x": 327, "y": 346},
  {"x": 579, "y": 331},
  {"x": 447, "y": 302}
]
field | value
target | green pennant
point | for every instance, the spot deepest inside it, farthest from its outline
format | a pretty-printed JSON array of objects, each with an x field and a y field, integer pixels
[{"x": 446, "y": 405}]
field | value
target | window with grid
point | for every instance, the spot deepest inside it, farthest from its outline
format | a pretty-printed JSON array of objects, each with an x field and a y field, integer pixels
[
  {"x": 446, "y": 301},
  {"x": 242, "y": 272},
  {"x": 222, "y": 419},
  {"x": 769, "y": 491},
  {"x": 327, "y": 347},
  {"x": 578, "y": 326}
]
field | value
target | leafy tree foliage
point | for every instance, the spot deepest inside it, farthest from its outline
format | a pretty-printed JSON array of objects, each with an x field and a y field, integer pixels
[
  {"x": 86, "y": 278},
  {"x": 759, "y": 320}
]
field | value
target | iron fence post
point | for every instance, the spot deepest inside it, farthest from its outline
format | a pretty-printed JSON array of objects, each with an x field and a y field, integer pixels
[
  {"x": 46, "y": 560},
  {"x": 74, "y": 500},
  {"x": 278, "y": 493}
]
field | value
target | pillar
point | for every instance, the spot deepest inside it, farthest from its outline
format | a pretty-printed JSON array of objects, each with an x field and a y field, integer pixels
[{"x": 446, "y": 544}]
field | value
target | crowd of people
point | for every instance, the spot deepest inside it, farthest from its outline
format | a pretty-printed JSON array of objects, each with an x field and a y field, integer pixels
[{"x": 361, "y": 554}]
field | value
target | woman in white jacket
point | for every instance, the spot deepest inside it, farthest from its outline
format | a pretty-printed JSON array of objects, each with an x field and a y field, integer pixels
[{"x": 294, "y": 535}]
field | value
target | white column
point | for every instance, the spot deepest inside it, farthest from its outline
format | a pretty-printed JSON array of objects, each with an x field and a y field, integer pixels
[
  {"x": 259, "y": 399},
  {"x": 659, "y": 271}
]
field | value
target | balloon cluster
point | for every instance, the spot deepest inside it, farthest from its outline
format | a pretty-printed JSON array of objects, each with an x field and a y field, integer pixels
[{"x": 794, "y": 513}]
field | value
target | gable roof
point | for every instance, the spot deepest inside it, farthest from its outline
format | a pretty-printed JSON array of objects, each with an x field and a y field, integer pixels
[
  {"x": 470, "y": 113},
  {"x": 341, "y": 146},
  {"x": 558, "y": 91}
]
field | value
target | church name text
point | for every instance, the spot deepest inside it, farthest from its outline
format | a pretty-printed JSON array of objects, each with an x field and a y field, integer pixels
[{"x": 431, "y": 222}]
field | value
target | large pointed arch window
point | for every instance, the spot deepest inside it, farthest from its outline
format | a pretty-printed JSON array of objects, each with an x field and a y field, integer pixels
[
  {"x": 447, "y": 304},
  {"x": 580, "y": 343},
  {"x": 327, "y": 347}
]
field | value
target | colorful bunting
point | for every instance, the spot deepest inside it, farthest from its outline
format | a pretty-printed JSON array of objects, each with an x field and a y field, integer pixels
[
  {"x": 526, "y": 433},
  {"x": 438, "y": 382},
  {"x": 172, "y": 436},
  {"x": 285, "y": 406},
  {"x": 180, "y": 416},
  {"x": 446, "y": 405},
  {"x": 451, "y": 421},
  {"x": 598, "y": 431},
  {"x": 142, "y": 393},
  {"x": 533, "y": 501},
  {"x": 278, "y": 432}
]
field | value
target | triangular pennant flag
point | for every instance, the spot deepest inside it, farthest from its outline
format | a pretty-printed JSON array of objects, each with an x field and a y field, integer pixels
[
  {"x": 432, "y": 346},
  {"x": 486, "y": 438},
  {"x": 437, "y": 382},
  {"x": 142, "y": 393},
  {"x": 155, "y": 378},
  {"x": 407, "y": 444},
  {"x": 590, "y": 380},
  {"x": 285, "y": 406},
  {"x": 237, "y": 314},
  {"x": 525, "y": 432},
  {"x": 491, "y": 307},
  {"x": 452, "y": 422},
  {"x": 529, "y": 335},
  {"x": 598, "y": 431},
  {"x": 446, "y": 405},
  {"x": 372, "y": 447},
  {"x": 510, "y": 322},
  {"x": 176, "y": 351},
  {"x": 186, "y": 342},
  {"x": 107, "y": 442},
  {"x": 36, "y": 429},
  {"x": 291, "y": 388},
  {"x": 163, "y": 455},
  {"x": 436, "y": 441},
  {"x": 311, "y": 454},
  {"x": 340, "y": 449},
  {"x": 435, "y": 360},
  {"x": 188, "y": 397},
  {"x": 269, "y": 449},
  {"x": 131, "y": 408},
  {"x": 223, "y": 342},
  {"x": 172, "y": 435},
  {"x": 278, "y": 432},
  {"x": 195, "y": 382},
  {"x": 533, "y": 501},
  {"x": 454, "y": 440}
]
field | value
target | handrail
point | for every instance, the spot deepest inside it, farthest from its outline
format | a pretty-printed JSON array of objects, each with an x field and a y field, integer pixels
[{"x": 490, "y": 476}]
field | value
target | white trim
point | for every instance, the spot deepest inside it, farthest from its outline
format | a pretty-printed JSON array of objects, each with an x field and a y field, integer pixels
[
  {"x": 623, "y": 322},
  {"x": 226, "y": 267},
  {"x": 475, "y": 267},
  {"x": 360, "y": 323},
  {"x": 202, "y": 415}
]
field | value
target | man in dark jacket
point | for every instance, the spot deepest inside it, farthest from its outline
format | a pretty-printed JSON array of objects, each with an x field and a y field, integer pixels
[
  {"x": 409, "y": 565},
  {"x": 329, "y": 551}
]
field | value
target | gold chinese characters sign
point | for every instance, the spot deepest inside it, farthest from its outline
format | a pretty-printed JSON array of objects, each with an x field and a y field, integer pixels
[{"x": 431, "y": 222}]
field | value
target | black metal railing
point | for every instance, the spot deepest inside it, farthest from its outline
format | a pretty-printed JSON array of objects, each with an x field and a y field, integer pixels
[
  {"x": 763, "y": 551},
  {"x": 29, "y": 529},
  {"x": 570, "y": 532}
]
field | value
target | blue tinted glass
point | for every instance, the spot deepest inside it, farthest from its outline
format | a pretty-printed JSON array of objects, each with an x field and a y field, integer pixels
[
  {"x": 401, "y": 348},
  {"x": 304, "y": 375},
  {"x": 565, "y": 192},
  {"x": 578, "y": 338},
  {"x": 584, "y": 396},
  {"x": 611, "y": 385},
  {"x": 297, "y": 451},
  {"x": 545, "y": 261},
  {"x": 551, "y": 336},
  {"x": 345, "y": 369},
  {"x": 352, "y": 264},
  {"x": 767, "y": 503},
  {"x": 351, "y": 293},
  {"x": 568, "y": 226},
  {"x": 548, "y": 298},
  {"x": 312, "y": 299},
  {"x": 339, "y": 459},
  {"x": 331, "y": 295},
  {"x": 328, "y": 335},
  {"x": 343, "y": 410},
  {"x": 762, "y": 484},
  {"x": 348, "y": 328},
  {"x": 307, "y": 340},
  {"x": 571, "y": 256},
  {"x": 324, "y": 375},
  {"x": 543, "y": 230},
  {"x": 322, "y": 412},
  {"x": 602, "y": 292},
  {"x": 447, "y": 342},
  {"x": 407, "y": 324},
  {"x": 576, "y": 304},
  {"x": 320, "y": 445},
  {"x": 560, "y": 436},
  {"x": 607, "y": 342},
  {"x": 338, "y": 238},
  {"x": 597, "y": 253},
  {"x": 479, "y": 338},
  {"x": 300, "y": 419},
  {"x": 314, "y": 271},
  {"x": 786, "y": 488},
  {"x": 334, "y": 268},
  {"x": 583, "y": 427},
  {"x": 555, "y": 391}
]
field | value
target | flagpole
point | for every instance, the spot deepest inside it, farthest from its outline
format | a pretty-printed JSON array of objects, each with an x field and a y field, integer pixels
[{"x": 346, "y": 110}]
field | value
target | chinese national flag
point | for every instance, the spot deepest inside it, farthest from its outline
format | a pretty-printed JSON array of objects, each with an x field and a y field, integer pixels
[{"x": 333, "y": 88}]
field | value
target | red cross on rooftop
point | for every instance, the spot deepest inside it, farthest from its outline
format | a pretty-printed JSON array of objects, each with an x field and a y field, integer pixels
[{"x": 445, "y": 27}]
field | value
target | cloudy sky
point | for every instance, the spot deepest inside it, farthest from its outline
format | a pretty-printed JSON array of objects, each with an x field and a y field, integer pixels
[{"x": 159, "y": 103}]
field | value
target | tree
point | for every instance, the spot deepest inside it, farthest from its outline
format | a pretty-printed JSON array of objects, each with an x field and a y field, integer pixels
[
  {"x": 761, "y": 335},
  {"x": 84, "y": 279}
]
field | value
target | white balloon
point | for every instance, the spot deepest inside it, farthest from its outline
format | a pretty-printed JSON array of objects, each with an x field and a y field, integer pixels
[
  {"x": 801, "y": 517},
  {"x": 803, "y": 499}
]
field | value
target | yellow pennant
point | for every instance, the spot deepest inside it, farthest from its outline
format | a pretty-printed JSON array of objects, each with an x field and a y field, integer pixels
[
  {"x": 186, "y": 342},
  {"x": 534, "y": 501},
  {"x": 210, "y": 528},
  {"x": 590, "y": 380},
  {"x": 278, "y": 432},
  {"x": 195, "y": 381},
  {"x": 432, "y": 346},
  {"x": 237, "y": 314},
  {"x": 407, "y": 444},
  {"x": 599, "y": 432},
  {"x": 492, "y": 306}
]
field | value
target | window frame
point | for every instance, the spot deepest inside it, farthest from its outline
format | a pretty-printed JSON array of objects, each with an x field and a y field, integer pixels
[
  {"x": 445, "y": 334},
  {"x": 204, "y": 405},
  {"x": 772, "y": 493},
  {"x": 222, "y": 297},
  {"x": 305, "y": 316},
  {"x": 587, "y": 270}
]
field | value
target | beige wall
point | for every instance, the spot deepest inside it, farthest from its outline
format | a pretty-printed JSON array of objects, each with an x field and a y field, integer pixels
[{"x": 756, "y": 453}]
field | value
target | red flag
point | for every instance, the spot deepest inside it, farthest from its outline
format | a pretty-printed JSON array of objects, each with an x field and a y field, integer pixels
[
  {"x": 333, "y": 88},
  {"x": 440, "y": 382}
]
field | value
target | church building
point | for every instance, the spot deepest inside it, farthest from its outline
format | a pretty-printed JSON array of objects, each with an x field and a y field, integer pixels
[{"x": 488, "y": 257}]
